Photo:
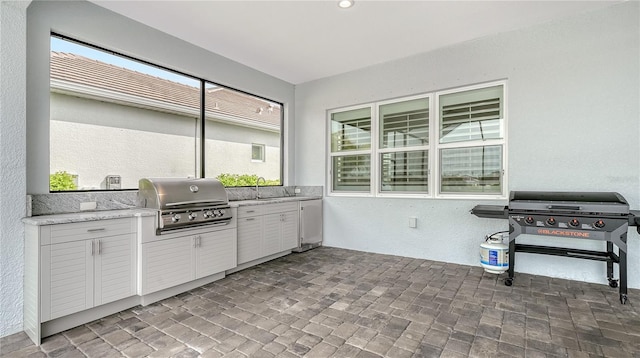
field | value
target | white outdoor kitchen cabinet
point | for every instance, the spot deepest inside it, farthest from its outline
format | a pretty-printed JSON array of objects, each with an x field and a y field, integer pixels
[
  {"x": 173, "y": 259},
  {"x": 266, "y": 230},
  {"x": 74, "y": 267}
]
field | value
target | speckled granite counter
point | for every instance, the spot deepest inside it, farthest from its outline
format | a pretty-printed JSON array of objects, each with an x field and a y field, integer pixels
[
  {"x": 87, "y": 216},
  {"x": 127, "y": 213},
  {"x": 264, "y": 201}
]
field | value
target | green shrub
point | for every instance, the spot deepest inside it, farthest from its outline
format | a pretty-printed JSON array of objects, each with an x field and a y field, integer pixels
[
  {"x": 61, "y": 181},
  {"x": 230, "y": 180}
]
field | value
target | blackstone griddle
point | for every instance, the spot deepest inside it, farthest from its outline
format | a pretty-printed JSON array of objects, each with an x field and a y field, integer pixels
[{"x": 601, "y": 216}]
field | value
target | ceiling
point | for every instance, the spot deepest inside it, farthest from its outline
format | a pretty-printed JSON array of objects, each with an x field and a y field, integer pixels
[{"x": 302, "y": 40}]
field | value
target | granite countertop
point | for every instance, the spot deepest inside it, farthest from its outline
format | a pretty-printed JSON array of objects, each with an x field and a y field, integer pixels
[
  {"x": 135, "y": 212},
  {"x": 87, "y": 216},
  {"x": 264, "y": 201}
]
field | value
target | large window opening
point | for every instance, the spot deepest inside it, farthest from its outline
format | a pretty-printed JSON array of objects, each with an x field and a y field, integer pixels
[
  {"x": 456, "y": 150},
  {"x": 115, "y": 120}
]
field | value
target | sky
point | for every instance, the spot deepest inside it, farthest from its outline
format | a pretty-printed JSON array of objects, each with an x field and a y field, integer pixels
[{"x": 60, "y": 45}]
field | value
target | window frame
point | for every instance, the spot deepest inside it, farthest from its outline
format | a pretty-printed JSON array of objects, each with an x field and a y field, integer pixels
[
  {"x": 380, "y": 151},
  {"x": 434, "y": 148},
  {"x": 262, "y": 153},
  {"x": 331, "y": 154},
  {"x": 199, "y": 137}
]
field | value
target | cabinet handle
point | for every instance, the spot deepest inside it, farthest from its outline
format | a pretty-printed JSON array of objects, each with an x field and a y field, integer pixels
[
  {"x": 99, "y": 247},
  {"x": 91, "y": 247},
  {"x": 250, "y": 211},
  {"x": 199, "y": 243},
  {"x": 97, "y": 229},
  {"x": 250, "y": 219},
  {"x": 195, "y": 241}
]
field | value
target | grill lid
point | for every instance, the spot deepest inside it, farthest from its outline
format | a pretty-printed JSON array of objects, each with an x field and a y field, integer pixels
[
  {"x": 576, "y": 202},
  {"x": 179, "y": 193}
]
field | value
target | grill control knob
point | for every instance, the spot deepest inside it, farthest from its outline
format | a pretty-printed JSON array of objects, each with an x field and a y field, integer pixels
[
  {"x": 574, "y": 222},
  {"x": 221, "y": 212},
  {"x": 193, "y": 216},
  {"x": 175, "y": 218},
  {"x": 551, "y": 221},
  {"x": 599, "y": 224},
  {"x": 529, "y": 220},
  {"x": 208, "y": 214}
]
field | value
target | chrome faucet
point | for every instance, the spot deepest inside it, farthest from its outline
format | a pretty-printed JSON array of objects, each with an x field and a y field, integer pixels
[{"x": 258, "y": 187}]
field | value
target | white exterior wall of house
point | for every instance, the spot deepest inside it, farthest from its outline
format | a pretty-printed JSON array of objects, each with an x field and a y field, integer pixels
[
  {"x": 93, "y": 139},
  {"x": 573, "y": 124}
]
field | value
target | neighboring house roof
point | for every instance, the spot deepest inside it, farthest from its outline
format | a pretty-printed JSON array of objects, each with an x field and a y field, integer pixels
[{"x": 88, "y": 74}]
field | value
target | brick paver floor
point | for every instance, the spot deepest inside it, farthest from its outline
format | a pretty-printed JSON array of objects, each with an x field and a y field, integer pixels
[{"x": 331, "y": 302}]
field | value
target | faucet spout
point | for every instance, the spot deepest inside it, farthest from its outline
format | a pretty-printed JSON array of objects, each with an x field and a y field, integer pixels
[{"x": 258, "y": 186}]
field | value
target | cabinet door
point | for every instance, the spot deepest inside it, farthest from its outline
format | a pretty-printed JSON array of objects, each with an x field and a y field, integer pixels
[
  {"x": 249, "y": 239},
  {"x": 271, "y": 239},
  {"x": 311, "y": 221},
  {"x": 67, "y": 278},
  {"x": 115, "y": 276},
  {"x": 166, "y": 263},
  {"x": 215, "y": 252},
  {"x": 289, "y": 230}
]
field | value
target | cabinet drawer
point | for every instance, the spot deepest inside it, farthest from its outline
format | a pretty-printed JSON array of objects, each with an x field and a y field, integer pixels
[
  {"x": 280, "y": 207},
  {"x": 89, "y": 230},
  {"x": 248, "y": 211}
]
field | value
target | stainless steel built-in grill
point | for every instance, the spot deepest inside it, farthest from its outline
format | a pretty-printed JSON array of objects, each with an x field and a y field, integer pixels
[
  {"x": 185, "y": 203},
  {"x": 581, "y": 215}
]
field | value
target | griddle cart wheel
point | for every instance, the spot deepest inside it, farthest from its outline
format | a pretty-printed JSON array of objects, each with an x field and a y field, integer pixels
[
  {"x": 508, "y": 281},
  {"x": 623, "y": 298},
  {"x": 613, "y": 283}
]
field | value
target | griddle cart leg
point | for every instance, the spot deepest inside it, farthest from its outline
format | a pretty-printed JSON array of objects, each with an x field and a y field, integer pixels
[
  {"x": 623, "y": 270},
  {"x": 612, "y": 282},
  {"x": 512, "y": 256}
]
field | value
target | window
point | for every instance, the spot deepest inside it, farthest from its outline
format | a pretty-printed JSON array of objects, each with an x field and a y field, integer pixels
[
  {"x": 456, "y": 150},
  {"x": 351, "y": 150},
  {"x": 404, "y": 146},
  {"x": 112, "y": 116},
  {"x": 257, "y": 152}
]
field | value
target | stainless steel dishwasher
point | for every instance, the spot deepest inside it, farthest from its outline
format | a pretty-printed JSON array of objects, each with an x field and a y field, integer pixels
[{"x": 310, "y": 225}]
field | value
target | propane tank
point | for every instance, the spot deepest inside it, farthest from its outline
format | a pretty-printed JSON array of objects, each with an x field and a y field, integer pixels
[{"x": 494, "y": 254}]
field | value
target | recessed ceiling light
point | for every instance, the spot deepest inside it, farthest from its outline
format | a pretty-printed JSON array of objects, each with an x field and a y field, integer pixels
[{"x": 345, "y": 4}]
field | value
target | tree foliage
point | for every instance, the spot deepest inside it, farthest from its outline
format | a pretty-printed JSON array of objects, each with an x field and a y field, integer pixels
[
  {"x": 61, "y": 181},
  {"x": 231, "y": 180}
]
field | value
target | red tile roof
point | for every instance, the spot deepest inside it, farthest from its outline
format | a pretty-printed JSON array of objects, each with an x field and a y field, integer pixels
[{"x": 221, "y": 101}]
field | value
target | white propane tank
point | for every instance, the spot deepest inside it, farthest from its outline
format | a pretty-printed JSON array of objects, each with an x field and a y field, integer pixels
[{"x": 494, "y": 254}]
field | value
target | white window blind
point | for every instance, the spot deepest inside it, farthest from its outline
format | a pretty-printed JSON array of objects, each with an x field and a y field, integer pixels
[{"x": 471, "y": 115}]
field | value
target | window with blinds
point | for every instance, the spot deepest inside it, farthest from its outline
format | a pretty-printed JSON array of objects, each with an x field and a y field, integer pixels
[
  {"x": 404, "y": 125},
  {"x": 471, "y": 170},
  {"x": 445, "y": 144},
  {"x": 471, "y": 159},
  {"x": 351, "y": 150}
]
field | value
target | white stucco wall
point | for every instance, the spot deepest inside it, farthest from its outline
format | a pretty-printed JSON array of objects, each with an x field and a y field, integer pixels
[
  {"x": 573, "y": 90},
  {"x": 12, "y": 161}
]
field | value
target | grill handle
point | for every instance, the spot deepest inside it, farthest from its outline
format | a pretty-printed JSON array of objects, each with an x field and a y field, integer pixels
[
  {"x": 192, "y": 202},
  {"x": 564, "y": 207}
]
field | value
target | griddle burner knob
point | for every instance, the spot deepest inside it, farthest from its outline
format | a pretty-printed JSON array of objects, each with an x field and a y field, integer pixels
[
  {"x": 551, "y": 221},
  {"x": 176, "y": 218},
  {"x": 208, "y": 214},
  {"x": 192, "y": 216},
  {"x": 599, "y": 224},
  {"x": 529, "y": 220},
  {"x": 574, "y": 222}
]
